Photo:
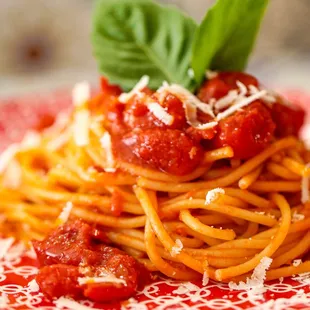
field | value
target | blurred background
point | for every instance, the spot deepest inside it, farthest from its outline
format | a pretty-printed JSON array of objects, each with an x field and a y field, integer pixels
[{"x": 45, "y": 44}]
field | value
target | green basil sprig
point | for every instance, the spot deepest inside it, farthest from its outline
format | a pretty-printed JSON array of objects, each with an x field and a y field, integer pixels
[
  {"x": 132, "y": 38},
  {"x": 226, "y": 36}
]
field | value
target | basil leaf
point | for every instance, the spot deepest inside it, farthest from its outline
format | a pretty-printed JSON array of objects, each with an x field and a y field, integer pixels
[
  {"x": 132, "y": 38},
  {"x": 226, "y": 36}
]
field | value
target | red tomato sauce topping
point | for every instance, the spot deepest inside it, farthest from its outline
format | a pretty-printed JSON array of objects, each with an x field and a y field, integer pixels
[
  {"x": 77, "y": 250},
  {"x": 248, "y": 132},
  {"x": 141, "y": 138}
]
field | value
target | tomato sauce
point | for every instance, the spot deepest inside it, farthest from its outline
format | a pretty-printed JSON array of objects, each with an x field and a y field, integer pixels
[
  {"x": 141, "y": 138},
  {"x": 168, "y": 150},
  {"x": 77, "y": 250},
  {"x": 248, "y": 132},
  {"x": 288, "y": 120},
  {"x": 220, "y": 85}
]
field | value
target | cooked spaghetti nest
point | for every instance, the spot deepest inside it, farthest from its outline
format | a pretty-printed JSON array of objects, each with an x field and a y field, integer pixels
[{"x": 216, "y": 222}]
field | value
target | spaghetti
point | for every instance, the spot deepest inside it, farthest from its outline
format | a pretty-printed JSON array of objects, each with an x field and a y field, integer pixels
[{"x": 154, "y": 207}]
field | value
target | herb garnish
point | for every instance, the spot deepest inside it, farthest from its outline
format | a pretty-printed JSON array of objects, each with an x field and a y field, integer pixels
[
  {"x": 132, "y": 38},
  {"x": 226, "y": 36}
]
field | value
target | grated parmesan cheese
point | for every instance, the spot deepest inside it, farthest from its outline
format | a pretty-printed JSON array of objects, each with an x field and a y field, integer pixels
[
  {"x": 260, "y": 212},
  {"x": 33, "y": 286},
  {"x": 96, "y": 125},
  {"x": 297, "y": 262},
  {"x": 4, "y": 301},
  {"x": 109, "y": 170},
  {"x": 186, "y": 97},
  {"x": 132, "y": 300},
  {"x": 268, "y": 98},
  {"x": 7, "y": 155},
  {"x": 71, "y": 304},
  {"x": 206, "y": 125},
  {"x": 242, "y": 88},
  {"x": 190, "y": 104},
  {"x": 305, "y": 196},
  {"x": 212, "y": 103},
  {"x": 296, "y": 217},
  {"x": 80, "y": 94},
  {"x": 106, "y": 144},
  {"x": 13, "y": 175},
  {"x": 240, "y": 104},
  {"x": 81, "y": 125},
  {"x": 256, "y": 283},
  {"x": 185, "y": 288},
  {"x": 160, "y": 113},
  {"x": 106, "y": 279},
  {"x": 213, "y": 195},
  {"x": 65, "y": 214},
  {"x": 259, "y": 272},
  {"x": 31, "y": 139},
  {"x": 234, "y": 100},
  {"x": 5, "y": 245},
  {"x": 9, "y": 165},
  {"x": 59, "y": 141},
  {"x": 253, "y": 89},
  {"x": 177, "y": 248},
  {"x": 125, "y": 97},
  {"x": 81, "y": 119},
  {"x": 232, "y": 97},
  {"x": 15, "y": 251},
  {"x": 227, "y": 100},
  {"x": 31, "y": 253},
  {"x": 205, "y": 279},
  {"x": 305, "y": 135}
]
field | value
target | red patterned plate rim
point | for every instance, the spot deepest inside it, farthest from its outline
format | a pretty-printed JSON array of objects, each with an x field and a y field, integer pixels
[{"x": 18, "y": 268}]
